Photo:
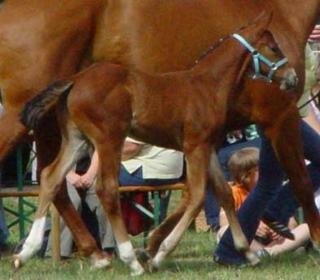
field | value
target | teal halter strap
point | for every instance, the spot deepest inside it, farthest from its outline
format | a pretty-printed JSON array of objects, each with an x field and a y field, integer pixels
[{"x": 257, "y": 58}]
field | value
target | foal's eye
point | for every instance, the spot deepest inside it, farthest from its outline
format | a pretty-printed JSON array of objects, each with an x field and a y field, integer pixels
[{"x": 275, "y": 50}]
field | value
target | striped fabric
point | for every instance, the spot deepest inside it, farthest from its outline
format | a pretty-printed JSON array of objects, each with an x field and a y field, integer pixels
[{"x": 315, "y": 34}]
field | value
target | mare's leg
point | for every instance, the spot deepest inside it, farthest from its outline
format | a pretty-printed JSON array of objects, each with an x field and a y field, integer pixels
[
  {"x": 197, "y": 166},
  {"x": 287, "y": 144},
  {"x": 223, "y": 192},
  {"x": 108, "y": 193},
  {"x": 12, "y": 131},
  {"x": 48, "y": 143},
  {"x": 51, "y": 180}
]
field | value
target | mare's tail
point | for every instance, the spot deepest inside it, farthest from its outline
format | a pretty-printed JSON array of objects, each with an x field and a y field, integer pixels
[{"x": 37, "y": 107}]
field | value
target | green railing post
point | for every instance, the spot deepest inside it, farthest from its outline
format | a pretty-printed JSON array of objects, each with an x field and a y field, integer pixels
[{"x": 156, "y": 210}]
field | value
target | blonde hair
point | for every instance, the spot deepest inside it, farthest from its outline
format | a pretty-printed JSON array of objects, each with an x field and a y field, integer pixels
[{"x": 241, "y": 164}]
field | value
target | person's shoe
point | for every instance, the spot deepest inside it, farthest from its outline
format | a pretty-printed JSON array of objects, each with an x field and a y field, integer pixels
[
  {"x": 279, "y": 228},
  {"x": 262, "y": 253}
]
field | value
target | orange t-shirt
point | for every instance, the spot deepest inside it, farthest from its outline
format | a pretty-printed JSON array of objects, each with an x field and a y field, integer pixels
[{"x": 239, "y": 195}]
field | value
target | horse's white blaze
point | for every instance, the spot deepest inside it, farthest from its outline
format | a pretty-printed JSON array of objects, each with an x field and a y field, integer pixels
[
  {"x": 128, "y": 256},
  {"x": 34, "y": 240}
]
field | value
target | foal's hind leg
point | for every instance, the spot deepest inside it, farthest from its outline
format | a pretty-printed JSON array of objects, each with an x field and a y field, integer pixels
[
  {"x": 197, "y": 166},
  {"x": 86, "y": 244},
  {"x": 108, "y": 193},
  {"x": 45, "y": 155},
  {"x": 223, "y": 191},
  {"x": 51, "y": 179}
]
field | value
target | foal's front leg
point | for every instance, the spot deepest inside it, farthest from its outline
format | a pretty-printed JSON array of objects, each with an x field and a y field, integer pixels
[
  {"x": 223, "y": 192},
  {"x": 164, "y": 229},
  {"x": 197, "y": 166}
]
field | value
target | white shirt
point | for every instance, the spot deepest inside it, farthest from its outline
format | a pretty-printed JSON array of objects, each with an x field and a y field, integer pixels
[{"x": 156, "y": 162}]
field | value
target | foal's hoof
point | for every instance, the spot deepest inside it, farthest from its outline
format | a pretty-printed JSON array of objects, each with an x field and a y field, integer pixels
[
  {"x": 143, "y": 256},
  {"x": 252, "y": 258},
  {"x": 100, "y": 261},
  {"x": 16, "y": 263}
]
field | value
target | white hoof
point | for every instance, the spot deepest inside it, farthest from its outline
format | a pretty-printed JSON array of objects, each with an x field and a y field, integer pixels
[
  {"x": 16, "y": 262},
  {"x": 158, "y": 259},
  {"x": 100, "y": 263},
  {"x": 137, "y": 270},
  {"x": 252, "y": 258}
]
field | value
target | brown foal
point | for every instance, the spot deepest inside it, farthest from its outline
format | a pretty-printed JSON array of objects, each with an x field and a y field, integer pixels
[
  {"x": 62, "y": 36},
  {"x": 184, "y": 110}
]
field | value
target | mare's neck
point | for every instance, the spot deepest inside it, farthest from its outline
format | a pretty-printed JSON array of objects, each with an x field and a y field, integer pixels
[{"x": 301, "y": 15}]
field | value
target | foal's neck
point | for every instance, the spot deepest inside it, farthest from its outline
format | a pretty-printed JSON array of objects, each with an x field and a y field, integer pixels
[{"x": 229, "y": 55}]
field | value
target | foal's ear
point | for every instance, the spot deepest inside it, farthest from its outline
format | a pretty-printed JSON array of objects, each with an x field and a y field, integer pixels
[{"x": 268, "y": 39}]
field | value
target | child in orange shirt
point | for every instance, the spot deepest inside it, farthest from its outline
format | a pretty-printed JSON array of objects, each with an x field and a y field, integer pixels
[{"x": 243, "y": 167}]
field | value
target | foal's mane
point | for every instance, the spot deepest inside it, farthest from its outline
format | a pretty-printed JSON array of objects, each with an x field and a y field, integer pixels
[{"x": 215, "y": 46}]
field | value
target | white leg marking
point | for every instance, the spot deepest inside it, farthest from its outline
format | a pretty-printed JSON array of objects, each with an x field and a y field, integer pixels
[
  {"x": 171, "y": 241},
  {"x": 100, "y": 262},
  {"x": 163, "y": 251},
  {"x": 33, "y": 242},
  {"x": 128, "y": 256}
]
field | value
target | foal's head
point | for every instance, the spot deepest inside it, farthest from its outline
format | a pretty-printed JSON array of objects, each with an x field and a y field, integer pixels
[{"x": 255, "y": 39}]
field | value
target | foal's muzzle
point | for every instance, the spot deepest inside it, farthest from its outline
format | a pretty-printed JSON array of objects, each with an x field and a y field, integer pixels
[{"x": 290, "y": 79}]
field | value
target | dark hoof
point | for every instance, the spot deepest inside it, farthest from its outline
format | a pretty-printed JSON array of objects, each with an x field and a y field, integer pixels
[
  {"x": 142, "y": 256},
  {"x": 145, "y": 260}
]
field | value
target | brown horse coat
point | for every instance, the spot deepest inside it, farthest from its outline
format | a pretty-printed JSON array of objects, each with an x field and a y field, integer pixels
[
  {"x": 187, "y": 110},
  {"x": 154, "y": 36}
]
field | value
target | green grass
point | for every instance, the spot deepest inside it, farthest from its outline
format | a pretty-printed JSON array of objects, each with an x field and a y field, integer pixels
[{"x": 191, "y": 260}]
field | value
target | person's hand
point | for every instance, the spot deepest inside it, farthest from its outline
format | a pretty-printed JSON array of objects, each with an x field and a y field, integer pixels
[
  {"x": 276, "y": 237},
  {"x": 87, "y": 179},
  {"x": 263, "y": 230},
  {"x": 74, "y": 179}
]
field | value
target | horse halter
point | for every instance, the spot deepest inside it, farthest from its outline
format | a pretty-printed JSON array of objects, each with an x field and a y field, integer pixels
[{"x": 260, "y": 58}]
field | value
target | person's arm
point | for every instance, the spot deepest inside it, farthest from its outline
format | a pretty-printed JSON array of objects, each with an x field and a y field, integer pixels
[
  {"x": 312, "y": 120},
  {"x": 74, "y": 179},
  {"x": 130, "y": 149},
  {"x": 88, "y": 177},
  {"x": 223, "y": 221}
]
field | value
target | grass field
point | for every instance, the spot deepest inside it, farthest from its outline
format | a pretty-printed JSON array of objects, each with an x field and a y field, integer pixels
[{"x": 191, "y": 260}]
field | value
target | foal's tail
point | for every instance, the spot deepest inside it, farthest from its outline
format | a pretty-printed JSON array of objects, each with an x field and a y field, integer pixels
[{"x": 37, "y": 107}]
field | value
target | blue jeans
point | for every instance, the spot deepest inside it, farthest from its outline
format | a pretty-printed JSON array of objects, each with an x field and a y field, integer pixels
[
  {"x": 269, "y": 183},
  {"x": 284, "y": 205},
  {"x": 4, "y": 232},
  {"x": 136, "y": 179},
  {"x": 211, "y": 208}
]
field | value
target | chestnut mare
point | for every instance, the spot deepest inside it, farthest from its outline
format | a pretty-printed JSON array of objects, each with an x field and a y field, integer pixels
[
  {"x": 184, "y": 110},
  {"x": 60, "y": 35}
]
